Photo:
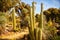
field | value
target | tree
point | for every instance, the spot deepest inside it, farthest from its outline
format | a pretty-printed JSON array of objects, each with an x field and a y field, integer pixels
[
  {"x": 47, "y": 13},
  {"x": 52, "y": 13},
  {"x": 7, "y": 4},
  {"x": 23, "y": 10},
  {"x": 37, "y": 17}
]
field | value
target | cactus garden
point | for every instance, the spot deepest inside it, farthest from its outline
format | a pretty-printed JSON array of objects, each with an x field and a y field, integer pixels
[{"x": 29, "y": 20}]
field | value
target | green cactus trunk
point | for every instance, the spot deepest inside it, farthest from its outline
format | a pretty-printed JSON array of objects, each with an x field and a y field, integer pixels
[
  {"x": 32, "y": 22},
  {"x": 33, "y": 11},
  {"x": 31, "y": 28},
  {"x": 14, "y": 19},
  {"x": 41, "y": 22},
  {"x": 35, "y": 32}
]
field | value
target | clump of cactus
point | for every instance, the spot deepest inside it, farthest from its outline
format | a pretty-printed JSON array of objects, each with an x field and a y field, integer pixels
[
  {"x": 35, "y": 32},
  {"x": 42, "y": 32}
]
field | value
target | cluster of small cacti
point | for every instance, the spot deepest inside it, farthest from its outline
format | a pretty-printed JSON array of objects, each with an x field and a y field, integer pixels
[{"x": 35, "y": 32}]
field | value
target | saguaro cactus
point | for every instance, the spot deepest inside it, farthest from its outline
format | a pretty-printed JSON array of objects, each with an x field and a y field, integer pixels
[{"x": 14, "y": 19}]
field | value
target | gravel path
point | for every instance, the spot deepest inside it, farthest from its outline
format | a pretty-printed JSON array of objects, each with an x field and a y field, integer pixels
[{"x": 14, "y": 35}]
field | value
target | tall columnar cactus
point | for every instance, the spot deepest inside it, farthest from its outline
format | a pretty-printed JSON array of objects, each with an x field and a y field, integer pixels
[
  {"x": 31, "y": 28},
  {"x": 33, "y": 11},
  {"x": 35, "y": 32},
  {"x": 41, "y": 22},
  {"x": 14, "y": 19},
  {"x": 32, "y": 22}
]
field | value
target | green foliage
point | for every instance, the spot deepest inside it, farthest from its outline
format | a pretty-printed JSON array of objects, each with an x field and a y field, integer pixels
[
  {"x": 24, "y": 10},
  {"x": 3, "y": 18},
  {"x": 47, "y": 13},
  {"x": 52, "y": 13},
  {"x": 7, "y": 4},
  {"x": 57, "y": 38},
  {"x": 37, "y": 17}
]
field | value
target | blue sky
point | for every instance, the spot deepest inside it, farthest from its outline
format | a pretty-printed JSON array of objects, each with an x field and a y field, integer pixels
[{"x": 47, "y": 4}]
